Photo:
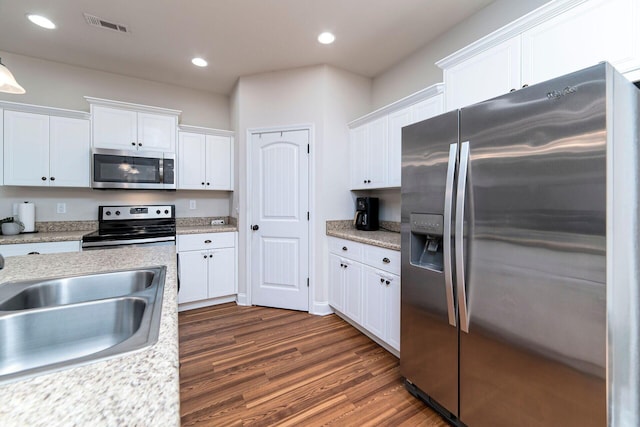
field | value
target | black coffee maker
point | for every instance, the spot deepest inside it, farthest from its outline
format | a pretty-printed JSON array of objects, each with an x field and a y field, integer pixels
[{"x": 366, "y": 213}]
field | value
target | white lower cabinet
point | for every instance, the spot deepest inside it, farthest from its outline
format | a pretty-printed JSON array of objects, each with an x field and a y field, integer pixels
[
  {"x": 39, "y": 248},
  {"x": 364, "y": 288},
  {"x": 207, "y": 265}
]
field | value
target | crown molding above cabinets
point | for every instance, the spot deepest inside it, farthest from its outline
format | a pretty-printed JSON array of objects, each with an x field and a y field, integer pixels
[
  {"x": 40, "y": 109},
  {"x": 130, "y": 106}
]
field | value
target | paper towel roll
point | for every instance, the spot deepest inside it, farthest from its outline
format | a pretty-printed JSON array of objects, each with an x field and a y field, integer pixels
[{"x": 27, "y": 214}]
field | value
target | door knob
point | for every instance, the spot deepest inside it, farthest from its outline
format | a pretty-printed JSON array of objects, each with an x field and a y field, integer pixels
[{"x": 255, "y": 227}]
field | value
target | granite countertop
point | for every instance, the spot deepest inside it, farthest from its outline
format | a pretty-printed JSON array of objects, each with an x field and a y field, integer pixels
[
  {"x": 138, "y": 388},
  {"x": 383, "y": 238},
  {"x": 44, "y": 236},
  {"x": 197, "y": 229}
]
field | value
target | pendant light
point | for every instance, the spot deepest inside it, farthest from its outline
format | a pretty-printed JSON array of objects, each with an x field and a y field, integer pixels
[{"x": 8, "y": 83}]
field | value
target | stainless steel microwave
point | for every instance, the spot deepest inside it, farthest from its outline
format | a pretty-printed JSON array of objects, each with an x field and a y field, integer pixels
[{"x": 133, "y": 169}]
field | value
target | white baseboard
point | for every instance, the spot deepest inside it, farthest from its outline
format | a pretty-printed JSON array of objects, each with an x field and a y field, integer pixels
[
  {"x": 205, "y": 303},
  {"x": 321, "y": 308},
  {"x": 242, "y": 300}
]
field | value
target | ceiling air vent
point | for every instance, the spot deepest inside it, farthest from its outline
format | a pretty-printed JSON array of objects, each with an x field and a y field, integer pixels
[{"x": 101, "y": 23}]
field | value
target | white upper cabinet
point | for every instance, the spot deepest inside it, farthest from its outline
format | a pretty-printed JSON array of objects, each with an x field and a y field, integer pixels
[
  {"x": 560, "y": 37},
  {"x": 205, "y": 160},
  {"x": 595, "y": 31},
  {"x": 125, "y": 126},
  {"x": 46, "y": 150},
  {"x": 376, "y": 139},
  {"x": 486, "y": 75},
  {"x": 1, "y": 146}
]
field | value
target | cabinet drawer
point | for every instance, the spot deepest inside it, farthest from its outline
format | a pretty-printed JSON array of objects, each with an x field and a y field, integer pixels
[
  {"x": 346, "y": 248},
  {"x": 382, "y": 259},
  {"x": 194, "y": 242},
  {"x": 40, "y": 248}
]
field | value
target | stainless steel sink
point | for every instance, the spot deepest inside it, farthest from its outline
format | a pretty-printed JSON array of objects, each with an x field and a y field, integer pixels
[
  {"x": 58, "y": 323},
  {"x": 73, "y": 289}
]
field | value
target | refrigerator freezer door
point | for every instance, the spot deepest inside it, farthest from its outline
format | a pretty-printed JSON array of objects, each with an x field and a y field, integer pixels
[
  {"x": 429, "y": 338},
  {"x": 535, "y": 246}
]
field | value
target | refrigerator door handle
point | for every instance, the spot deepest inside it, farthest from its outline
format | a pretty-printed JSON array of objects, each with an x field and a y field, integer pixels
[
  {"x": 462, "y": 189},
  {"x": 446, "y": 238}
]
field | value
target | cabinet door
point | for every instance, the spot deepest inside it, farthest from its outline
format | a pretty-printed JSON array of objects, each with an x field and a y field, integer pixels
[
  {"x": 222, "y": 272},
  {"x": 488, "y": 74},
  {"x": 26, "y": 149},
  {"x": 69, "y": 152},
  {"x": 428, "y": 108},
  {"x": 353, "y": 290},
  {"x": 377, "y": 154},
  {"x": 336, "y": 282},
  {"x": 219, "y": 160},
  {"x": 157, "y": 132},
  {"x": 358, "y": 153},
  {"x": 114, "y": 128},
  {"x": 374, "y": 294},
  {"x": 595, "y": 31},
  {"x": 392, "y": 333},
  {"x": 191, "y": 161},
  {"x": 193, "y": 270},
  {"x": 397, "y": 121}
]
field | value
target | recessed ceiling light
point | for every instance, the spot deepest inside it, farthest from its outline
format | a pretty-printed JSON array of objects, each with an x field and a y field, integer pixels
[
  {"x": 199, "y": 62},
  {"x": 41, "y": 21},
  {"x": 326, "y": 38}
]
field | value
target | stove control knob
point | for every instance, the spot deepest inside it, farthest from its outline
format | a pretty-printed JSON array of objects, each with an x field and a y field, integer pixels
[
  {"x": 117, "y": 212},
  {"x": 158, "y": 211},
  {"x": 166, "y": 211},
  {"x": 108, "y": 213}
]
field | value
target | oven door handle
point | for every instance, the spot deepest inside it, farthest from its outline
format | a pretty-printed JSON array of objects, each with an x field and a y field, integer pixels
[{"x": 127, "y": 242}]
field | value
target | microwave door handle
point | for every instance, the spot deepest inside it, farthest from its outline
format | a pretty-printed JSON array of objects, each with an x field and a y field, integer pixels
[
  {"x": 446, "y": 238},
  {"x": 161, "y": 170},
  {"x": 460, "y": 205}
]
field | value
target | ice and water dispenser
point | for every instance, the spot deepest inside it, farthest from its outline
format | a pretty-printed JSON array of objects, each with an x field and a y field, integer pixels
[{"x": 426, "y": 241}]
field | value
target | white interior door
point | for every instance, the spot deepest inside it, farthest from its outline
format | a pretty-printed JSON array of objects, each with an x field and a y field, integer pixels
[{"x": 279, "y": 219}]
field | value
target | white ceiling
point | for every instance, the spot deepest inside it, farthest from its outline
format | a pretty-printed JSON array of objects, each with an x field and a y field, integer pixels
[{"x": 237, "y": 37}]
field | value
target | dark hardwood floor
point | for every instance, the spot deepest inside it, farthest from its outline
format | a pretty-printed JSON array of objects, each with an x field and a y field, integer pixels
[{"x": 264, "y": 366}]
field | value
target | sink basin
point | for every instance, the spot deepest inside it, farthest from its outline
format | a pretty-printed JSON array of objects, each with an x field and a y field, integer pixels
[
  {"x": 64, "y": 322},
  {"x": 74, "y": 289}
]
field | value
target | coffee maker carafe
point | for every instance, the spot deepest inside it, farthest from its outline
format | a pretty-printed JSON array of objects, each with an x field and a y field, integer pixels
[{"x": 366, "y": 213}]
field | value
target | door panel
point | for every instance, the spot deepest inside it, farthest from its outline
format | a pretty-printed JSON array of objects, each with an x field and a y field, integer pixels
[
  {"x": 336, "y": 282},
  {"x": 192, "y": 161},
  {"x": 353, "y": 290},
  {"x": 219, "y": 162},
  {"x": 193, "y": 276},
  {"x": 535, "y": 231},
  {"x": 280, "y": 200},
  {"x": 26, "y": 149},
  {"x": 69, "y": 152},
  {"x": 222, "y": 272},
  {"x": 429, "y": 343}
]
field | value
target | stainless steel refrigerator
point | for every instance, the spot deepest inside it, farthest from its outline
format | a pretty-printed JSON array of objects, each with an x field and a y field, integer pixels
[{"x": 520, "y": 256}]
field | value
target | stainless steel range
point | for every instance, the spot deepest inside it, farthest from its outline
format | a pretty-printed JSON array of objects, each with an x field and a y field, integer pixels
[{"x": 133, "y": 226}]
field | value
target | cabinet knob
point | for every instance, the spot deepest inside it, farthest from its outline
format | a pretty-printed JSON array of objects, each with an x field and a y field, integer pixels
[
  {"x": 387, "y": 282},
  {"x": 139, "y": 144},
  {"x": 211, "y": 256},
  {"x": 202, "y": 183},
  {"x": 368, "y": 181},
  {"x": 53, "y": 178},
  {"x": 381, "y": 280},
  {"x": 386, "y": 260},
  {"x": 525, "y": 85},
  {"x": 344, "y": 248},
  {"x": 207, "y": 241},
  {"x": 255, "y": 227},
  {"x": 44, "y": 178},
  {"x": 341, "y": 265},
  {"x": 208, "y": 183},
  {"x": 512, "y": 90},
  {"x": 364, "y": 182},
  {"x": 205, "y": 257},
  {"x": 133, "y": 143}
]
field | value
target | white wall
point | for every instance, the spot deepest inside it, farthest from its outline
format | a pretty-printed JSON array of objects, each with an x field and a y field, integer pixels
[
  {"x": 326, "y": 98},
  {"x": 419, "y": 71},
  {"x": 58, "y": 85}
]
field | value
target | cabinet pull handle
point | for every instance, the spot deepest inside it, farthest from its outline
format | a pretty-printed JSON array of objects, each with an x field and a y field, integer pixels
[
  {"x": 386, "y": 260},
  {"x": 344, "y": 248},
  {"x": 525, "y": 85},
  {"x": 34, "y": 253},
  {"x": 207, "y": 241},
  {"x": 512, "y": 90}
]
